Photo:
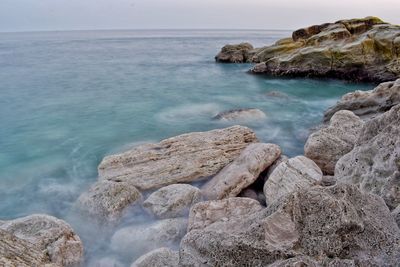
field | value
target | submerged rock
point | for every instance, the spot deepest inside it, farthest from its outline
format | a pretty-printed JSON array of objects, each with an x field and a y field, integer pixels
[
  {"x": 368, "y": 104},
  {"x": 374, "y": 163},
  {"x": 242, "y": 172},
  {"x": 319, "y": 223},
  {"x": 205, "y": 213},
  {"x": 235, "y": 53},
  {"x": 184, "y": 158},
  {"x": 140, "y": 239},
  {"x": 291, "y": 175},
  {"x": 106, "y": 200},
  {"x": 37, "y": 240},
  {"x": 327, "y": 145},
  {"x": 240, "y": 115},
  {"x": 162, "y": 257},
  {"x": 173, "y": 200}
]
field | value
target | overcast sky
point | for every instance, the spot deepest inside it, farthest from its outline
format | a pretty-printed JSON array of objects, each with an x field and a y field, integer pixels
[{"x": 34, "y": 15}]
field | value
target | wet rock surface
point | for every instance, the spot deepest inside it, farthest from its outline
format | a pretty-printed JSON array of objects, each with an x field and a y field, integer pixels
[
  {"x": 327, "y": 145},
  {"x": 243, "y": 114},
  {"x": 162, "y": 257},
  {"x": 240, "y": 53}
]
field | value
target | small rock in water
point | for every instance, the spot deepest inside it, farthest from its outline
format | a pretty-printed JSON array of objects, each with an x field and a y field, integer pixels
[
  {"x": 291, "y": 175},
  {"x": 240, "y": 53},
  {"x": 172, "y": 201},
  {"x": 242, "y": 172},
  {"x": 205, "y": 213},
  {"x": 162, "y": 257},
  {"x": 243, "y": 114}
]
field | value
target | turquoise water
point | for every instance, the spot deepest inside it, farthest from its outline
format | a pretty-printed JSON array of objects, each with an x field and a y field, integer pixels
[{"x": 67, "y": 99}]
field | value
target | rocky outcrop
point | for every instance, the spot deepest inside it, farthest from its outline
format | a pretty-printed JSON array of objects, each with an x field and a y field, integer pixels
[
  {"x": 242, "y": 172},
  {"x": 172, "y": 201},
  {"x": 205, "y": 213},
  {"x": 320, "y": 223},
  {"x": 358, "y": 49},
  {"x": 162, "y": 257},
  {"x": 374, "y": 163},
  {"x": 396, "y": 215},
  {"x": 327, "y": 145},
  {"x": 39, "y": 240},
  {"x": 368, "y": 104},
  {"x": 140, "y": 239},
  {"x": 243, "y": 114},
  {"x": 106, "y": 200},
  {"x": 184, "y": 158},
  {"x": 240, "y": 53},
  {"x": 291, "y": 175}
]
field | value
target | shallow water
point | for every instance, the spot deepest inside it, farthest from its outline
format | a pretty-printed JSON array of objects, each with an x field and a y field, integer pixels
[{"x": 67, "y": 99}]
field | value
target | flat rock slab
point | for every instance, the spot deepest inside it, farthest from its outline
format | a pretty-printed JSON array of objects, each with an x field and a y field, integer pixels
[
  {"x": 243, "y": 114},
  {"x": 184, "y": 158},
  {"x": 162, "y": 257},
  {"x": 374, "y": 163},
  {"x": 205, "y": 213},
  {"x": 327, "y": 145},
  {"x": 242, "y": 172},
  {"x": 172, "y": 201},
  {"x": 291, "y": 175},
  {"x": 28, "y": 235}
]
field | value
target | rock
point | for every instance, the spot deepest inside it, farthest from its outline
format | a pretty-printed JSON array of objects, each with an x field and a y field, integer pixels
[
  {"x": 43, "y": 237},
  {"x": 249, "y": 193},
  {"x": 396, "y": 215},
  {"x": 374, "y": 163},
  {"x": 367, "y": 104},
  {"x": 184, "y": 158},
  {"x": 205, "y": 213},
  {"x": 242, "y": 114},
  {"x": 322, "y": 223},
  {"x": 271, "y": 168},
  {"x": 162, "y": 257},
  {"x": 365, "y": 49},
  {"x": 173, "y": 200},
  {"x": 139, "y": 239},
  {"x": 235, "y": 53},
  {"x": 327, "y": 180},
  {"x": 15, "y": 251},
  {"x": 106, "y": 200},
  {"x": 327, "y": 145},
  {"x": 242, "y": 172},
  {"x": 291, "y": 175}
]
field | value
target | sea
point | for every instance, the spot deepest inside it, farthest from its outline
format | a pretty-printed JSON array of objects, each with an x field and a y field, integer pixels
[{"x": 68, "y": 99}]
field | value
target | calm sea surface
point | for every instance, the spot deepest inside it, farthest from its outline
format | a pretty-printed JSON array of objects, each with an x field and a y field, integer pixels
[{"x": 67, "y": 99}]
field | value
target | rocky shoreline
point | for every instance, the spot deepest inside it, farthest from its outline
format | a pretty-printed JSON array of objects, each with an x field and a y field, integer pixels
[{"x": 227, "y": 199}]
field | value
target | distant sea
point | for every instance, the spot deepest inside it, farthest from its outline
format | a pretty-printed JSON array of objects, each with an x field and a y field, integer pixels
[{"x": 67, "y": 99}]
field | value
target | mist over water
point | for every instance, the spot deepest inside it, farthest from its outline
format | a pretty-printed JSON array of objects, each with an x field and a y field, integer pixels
[{"x": 67, "y": 99}]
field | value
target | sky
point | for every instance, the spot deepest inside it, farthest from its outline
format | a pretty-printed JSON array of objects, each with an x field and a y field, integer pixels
[{"x": 44, "y": 15}]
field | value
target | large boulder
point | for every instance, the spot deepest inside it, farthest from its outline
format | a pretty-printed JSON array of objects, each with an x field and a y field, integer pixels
[
  {"x": 105, "y": 201},
  {"x": 205, "y": 213},
  {"x": 242, "y": 114},
  {"x": 322, "y": 223},
  {"x": 327, "y": 145},
  {"x": 137, "y": 240},
  {"x": 40, "y": 238},
  {"x": 365, "y": 49},
  {"x": 172, "y": 201},
  {"x": 368, "y": 104},
  {"x": 242, "y": 172},
  {"x": 290, "y": 175},
  {"x": 374, "y": 163},
  {"x": 184, "y": 158},
  {"x": 162, "y": 257},
  {"x": 239, "y": 53}
]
